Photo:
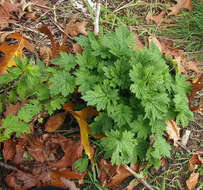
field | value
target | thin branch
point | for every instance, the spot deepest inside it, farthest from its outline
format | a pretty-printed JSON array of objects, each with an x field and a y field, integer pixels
[
  {"x": 138, "y": 178},
  {"x": 96, "y": 20},
  {"x": 7, "y": 166}
]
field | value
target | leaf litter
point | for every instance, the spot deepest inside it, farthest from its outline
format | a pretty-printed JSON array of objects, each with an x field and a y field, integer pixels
[{"x": 43, "y": 148}]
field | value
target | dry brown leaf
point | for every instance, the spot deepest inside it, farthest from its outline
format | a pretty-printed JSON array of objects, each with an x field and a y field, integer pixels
[
  {"x": 11, "y": 51},
  {"x": 121, "y": 174},
  {"x": 4, "y": 34},
  {"x": 72, "y": 151},
  {"x": 46, "y": 54},
  {"x": 158, "y": 19},
  {"x": 195, "y": 162},
  {"x": 9, "y": 149},
  {"x": 156, "y": 42},
  {"x": 67, "y": 174},
  {"x": 192, "y": 181},
  {"x": 187, "y": 4},
  {"x": 6, "y": 8},
  {"x": 139, "y": 44},
  {"x": 12, "y": 109},
  {"x": 173, "y": 131},
  {"x": 106, "y": 171},
  {"x": 179, "y": 56},
  {"x": 77, "y": 48},
  {"x": 55, "y": 121},
  {"x": 74, "y": 28}
]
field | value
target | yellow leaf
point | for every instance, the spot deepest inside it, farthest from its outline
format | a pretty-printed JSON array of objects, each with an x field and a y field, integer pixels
[
  {"x": 11, "y": 51},
  {"x": 81, "y": 117}
]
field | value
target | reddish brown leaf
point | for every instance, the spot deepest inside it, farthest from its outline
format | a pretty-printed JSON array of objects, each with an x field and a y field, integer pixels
[
  {"x": 178, "y": 55},
  {"x": 46, "y": 54},
  {"x": 56, "y": 175},
  {"x": 158, "y": 19},
  {"x": 195, "y": 162},
  {"x": 11, "y": 181},
  {"x": 11, "y": 51},
  {"x": 35, "y": 146},
  {"x": 121, "y": 174},
  {"x": 20, "y": 148},
  {"x": 77, "y": 48},
  {"x": 6, "y": 8},
  {"x": 12, "y": 109},
  {"x": 45, "y": 30},
  {"x": 139, "y": 44},
  {"x": 73, "y": 29},
  {"x": 187, "y": 4},
  {"x": 106, "y": 171},
  {"x": 9, "y": 149},
  {"x": 55, "y": 121},
  {"x": 192, "y": 181},
  {"x": 195, "y": 87},
  {"x": 72, "y": 151}
]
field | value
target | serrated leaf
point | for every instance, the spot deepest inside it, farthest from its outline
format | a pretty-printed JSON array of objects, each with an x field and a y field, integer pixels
[
  {"x": 62, "y": 83},
  {"x": 101, "y": 97},
  {"x": 65, "y": 61},
  {"x": 29, "y": 110},
  {"x": 101, "y": 124},
  {"x": 120, "y": 145},
  {"x": 11, "y": 124}
]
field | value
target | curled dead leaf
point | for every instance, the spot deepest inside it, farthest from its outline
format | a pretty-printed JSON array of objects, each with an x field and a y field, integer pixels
[
  {"x": 139, "y": 44},
  {"x": 55, "y": 121},
  {"x": 10, "y": 51},
  {"x": 192, "y": 181},
  {"x": 195, "y": 162},
  {"x": 46, "y": 54},
  {"x": 74, "y": 28},
  {"x": 173, "y": 131},
  {"x": 187, "y": 4},
  {"x": 9, "y": 149}
]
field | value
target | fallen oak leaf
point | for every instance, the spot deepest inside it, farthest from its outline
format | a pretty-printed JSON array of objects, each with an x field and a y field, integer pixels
[
  {"x": 81, "y": 117},
  {"x": 46, "y": 54},
  {"x": 173, "y": 131},
  {"x": 73, "y": 28},
  {"x": 67, "y": 174},
  {"x": 192, "y": 181},
  {"x": 138, "y": 43},
  {"x": 195, "y": 162},
  {"x": 9, "y": 149},
  {"x": 72, "y": 151},
  {"x": 55, "y": 121},
  {"x": 158, "y": 19},
  {"x": 187, "y": 4},
  {"x": 11, "y": 51}
]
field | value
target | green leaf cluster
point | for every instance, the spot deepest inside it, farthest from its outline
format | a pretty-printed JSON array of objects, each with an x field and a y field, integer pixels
[
  {"x": 135, "y": 94},
  {"x": 40, "y": 88}
]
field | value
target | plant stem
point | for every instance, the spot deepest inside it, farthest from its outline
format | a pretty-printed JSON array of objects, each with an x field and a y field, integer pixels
[{"x": 137, "y": 177}]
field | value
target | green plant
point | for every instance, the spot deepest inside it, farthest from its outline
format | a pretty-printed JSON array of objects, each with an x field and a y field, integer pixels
[
  {"x": 132, "y": 90},
  {"x": 135, "y": 94},
  {"x": 40, "y": 88}
]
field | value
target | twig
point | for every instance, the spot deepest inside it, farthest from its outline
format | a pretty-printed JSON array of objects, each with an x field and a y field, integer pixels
[
  {"x": 7, "y": 166},
  {"x": 138, "y": 178},
  {"x": 96, "y": 20},
  {"x": 184, "y": 147}
]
